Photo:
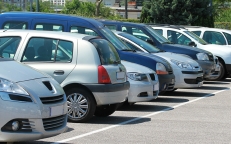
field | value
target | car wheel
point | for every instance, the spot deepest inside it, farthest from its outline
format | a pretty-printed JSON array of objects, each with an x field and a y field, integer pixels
[
  {"x": 105, "y": 110},
  {"x": 221, "y": 73},
  {"x": 81, "y": 105}
]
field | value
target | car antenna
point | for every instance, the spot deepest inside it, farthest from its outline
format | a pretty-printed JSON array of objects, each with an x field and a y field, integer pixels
[{"x": 15, "y": 26}]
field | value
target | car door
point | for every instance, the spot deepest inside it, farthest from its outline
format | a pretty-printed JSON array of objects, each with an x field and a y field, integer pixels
[
  {"x": 50, "y": 55},
  {"x": 213, "y": 37}
]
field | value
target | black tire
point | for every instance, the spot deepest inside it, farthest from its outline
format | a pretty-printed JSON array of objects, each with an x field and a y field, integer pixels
[
  {"x": 221, "y": 73},
  {"x": 105, "y": 110},
  {"x": 90, "y": 102}
]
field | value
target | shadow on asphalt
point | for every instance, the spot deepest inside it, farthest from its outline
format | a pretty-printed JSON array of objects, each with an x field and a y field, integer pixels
[
  {"x": 169, "y": 100},
  {"x": 36, "y": 142},
  {"x": 216, "y": 82},
  {"x": 142, "y": 108},
  {"x": 185, "y": 94},
  {"x": 213, "y": 88}
]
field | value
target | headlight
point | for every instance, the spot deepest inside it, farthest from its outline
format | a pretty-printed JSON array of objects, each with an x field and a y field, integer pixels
[
  {"x": 11, "y": 87},
  {"x": 202, "y": 56},
  {"x": 160, "y": 69},
  {"x": 182, "y": 64},
  {"x": 137, "y": 76}
]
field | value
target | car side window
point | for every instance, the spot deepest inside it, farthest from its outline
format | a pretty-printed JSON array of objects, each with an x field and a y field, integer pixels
[
  {"x": 160, "y": 31},
  {"x": 130, "y": 45},
  {"x": 83, "y": 30},
  {"x": 15, "y": 25},
  {"x": 49, "y": 27},
  {"x": 228, "y": 37},
  {"x": 111, "y": 27},
  {"x": 48, "y": 50},
  {"x": 136, "y": 32},
  {"x": 8, "y": 46},
  {"x": 214, "y": 37},
  {"x": 198, "y": 33},
  {"x": 177, "y": 38}
]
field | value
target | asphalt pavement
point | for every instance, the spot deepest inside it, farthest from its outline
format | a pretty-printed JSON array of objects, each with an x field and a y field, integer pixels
[{"x": 201, "y": 115}]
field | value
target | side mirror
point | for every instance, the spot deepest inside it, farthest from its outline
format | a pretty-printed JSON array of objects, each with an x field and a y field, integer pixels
[
  {"x": 192, "y": 44},
  {"x": 150, "y": 41}
]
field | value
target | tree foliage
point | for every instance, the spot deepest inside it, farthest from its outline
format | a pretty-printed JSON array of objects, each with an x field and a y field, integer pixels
[
  {"x": 45, "y": 6},
  {"x": 4, "y": 7},
  {"x": 183, "y": 12}
]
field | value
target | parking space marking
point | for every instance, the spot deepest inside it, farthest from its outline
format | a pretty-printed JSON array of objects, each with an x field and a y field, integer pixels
[{"x": 138, "y": 118}]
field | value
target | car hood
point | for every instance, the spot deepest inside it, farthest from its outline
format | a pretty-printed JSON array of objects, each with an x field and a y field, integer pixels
[
  {"x": 173, "y": 56},
  {"x": 18, "y": 72},
  {"x": 132, "y": 67},
  {"x": 182, "y": 49}
]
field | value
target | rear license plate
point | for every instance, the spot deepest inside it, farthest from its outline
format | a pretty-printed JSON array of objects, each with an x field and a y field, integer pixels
[
  {"x": 56, "y": 110},
  {"x": 120, "y": 75}
]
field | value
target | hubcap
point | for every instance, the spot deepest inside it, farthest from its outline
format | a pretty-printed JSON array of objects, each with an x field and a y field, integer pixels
[
  {"x": 219, "y": 73},
  {"x": 77, "y": 105}
]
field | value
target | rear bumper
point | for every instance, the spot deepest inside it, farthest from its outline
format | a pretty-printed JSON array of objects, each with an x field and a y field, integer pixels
[
  {"x": 208, "y": 67},
  {"x": 166, "y": 82},
  {"x": 109, "y": 93}
]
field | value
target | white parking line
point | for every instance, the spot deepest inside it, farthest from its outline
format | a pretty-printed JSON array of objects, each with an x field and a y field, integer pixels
[{"x": 136, "y": 119}]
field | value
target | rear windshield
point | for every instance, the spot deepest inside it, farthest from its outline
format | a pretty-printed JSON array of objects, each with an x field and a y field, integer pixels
[
  {"x": 107, "y": 52},
  {"x": 8, "y": 46}
]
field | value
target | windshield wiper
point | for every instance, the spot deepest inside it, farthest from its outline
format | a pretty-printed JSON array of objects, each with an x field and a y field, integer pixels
[{"x": 128, "y": 50}]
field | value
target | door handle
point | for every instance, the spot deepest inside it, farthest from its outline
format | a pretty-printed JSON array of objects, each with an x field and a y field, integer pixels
[{"x": 58, "y": 72}]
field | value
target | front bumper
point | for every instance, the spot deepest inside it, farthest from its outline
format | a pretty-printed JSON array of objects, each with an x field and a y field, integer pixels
[
  {"x": 166, "y": 82},
  {"x": 39, "y": 122},
  {"x": 141, "y": 91},
  {"x": 208, "y": 67},
  {"x": 109, "y": 93},
  {"x": 188, "y": 79}
]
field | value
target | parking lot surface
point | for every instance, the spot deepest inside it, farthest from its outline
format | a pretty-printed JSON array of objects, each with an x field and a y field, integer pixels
[{"x": 201, "y": 115}]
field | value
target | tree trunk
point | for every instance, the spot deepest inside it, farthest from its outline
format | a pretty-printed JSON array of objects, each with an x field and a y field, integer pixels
[{"x": 98, "y": 2}]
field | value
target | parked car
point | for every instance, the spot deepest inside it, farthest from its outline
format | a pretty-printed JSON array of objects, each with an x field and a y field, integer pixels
[
  {"x": 144, "y": 84},
  {"x": 188, "y": 73},
  {"x": 180, "y": 35},
  {"x": 212, "y": 35},
  {"x": 147, "y": 33},
  {"x": 32, "y": 104},
  {"x": 73, "y": 24},
  {"x": 87, "y": 67}
]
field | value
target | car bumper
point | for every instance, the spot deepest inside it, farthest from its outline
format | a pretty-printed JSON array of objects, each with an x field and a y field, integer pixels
[
  {"x": 208, "y": 67},
  {"x": 188, "y": 79},
  {"x": 37, "y": 117},
  {"x": 109, "y": 93},
  {"x": 166, "y": 82},
  {"x": 141, "y": 91}
]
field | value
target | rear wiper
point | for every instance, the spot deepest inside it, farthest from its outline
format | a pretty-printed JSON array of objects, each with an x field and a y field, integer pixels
[{"x": 128, "y": 50}]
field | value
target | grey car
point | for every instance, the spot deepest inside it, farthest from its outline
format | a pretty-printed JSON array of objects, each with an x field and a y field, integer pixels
[
  {"x": 32, "y": 104},
  {"x": 87, "y": 67}
]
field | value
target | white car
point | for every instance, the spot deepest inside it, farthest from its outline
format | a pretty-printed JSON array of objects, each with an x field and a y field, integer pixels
[
  {"x": 144, "y": 84},
  {"x": 188, "y": 73},
  {"x": 212, "y": 35},
  {"x": 32, "y": 104},
  {"x": 180, "y": 35}
]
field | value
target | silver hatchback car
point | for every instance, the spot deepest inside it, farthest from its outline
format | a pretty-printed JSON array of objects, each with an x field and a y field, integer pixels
[
  {"x": 87, "y": 67},
  {"x": 32, "y": 104}
]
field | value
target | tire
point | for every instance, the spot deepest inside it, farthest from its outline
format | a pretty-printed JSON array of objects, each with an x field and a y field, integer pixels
[
  {"x": 221, "y": 74},
  {"x": 81, "y": 105},
  {"x": 105, "y": 110}
]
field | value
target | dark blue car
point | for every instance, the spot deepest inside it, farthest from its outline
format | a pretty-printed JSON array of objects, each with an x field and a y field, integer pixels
[
  {"x": 147, "y": 33},
  {"x": 65, "y": 23}
]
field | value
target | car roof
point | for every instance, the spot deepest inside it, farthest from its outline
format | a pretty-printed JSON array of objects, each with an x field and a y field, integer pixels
[
  {"x": 214, "y": 29},
  {"x": 127, "y": 23},
  {"x": 179, "y": 27},
  {"x": 66, "y": 34},
  {"x": 52, "y": 16}
]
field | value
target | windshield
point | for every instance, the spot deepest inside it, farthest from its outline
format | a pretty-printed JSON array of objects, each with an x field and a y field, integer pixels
[
  {"x": 141, "y": 43},
  {"x": 118, "y": 44},
  {"x": 157, "y": 36},
  {"x": 195, "y": 37}
]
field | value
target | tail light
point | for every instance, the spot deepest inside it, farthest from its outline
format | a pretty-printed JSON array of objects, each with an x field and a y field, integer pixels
[{"x": 103, "y": 76}]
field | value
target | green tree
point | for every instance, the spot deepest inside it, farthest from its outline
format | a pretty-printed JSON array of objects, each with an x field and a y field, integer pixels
[
  {"x": 184, "y": 12},
  {"x": 45, "y": 6}
]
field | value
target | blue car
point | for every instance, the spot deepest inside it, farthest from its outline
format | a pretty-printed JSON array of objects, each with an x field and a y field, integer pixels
[
  {"x": 66, "y": 23},
  {"x": 204, "y": 58}
]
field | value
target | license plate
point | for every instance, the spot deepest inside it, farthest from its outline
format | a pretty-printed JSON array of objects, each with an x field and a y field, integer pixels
[
  {"x": 156, "y": 87},
  {"x": 120, "y": 75},
  {"x": 56, "y": 110}
]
